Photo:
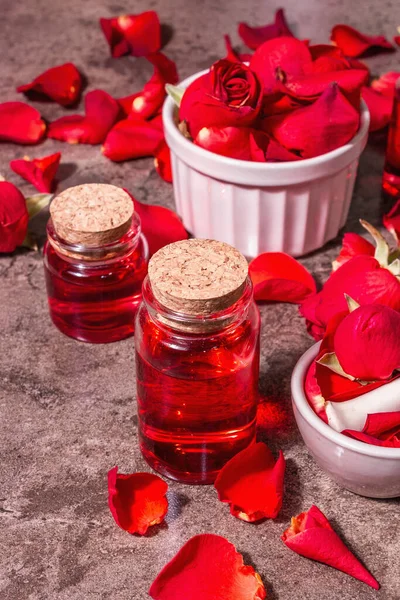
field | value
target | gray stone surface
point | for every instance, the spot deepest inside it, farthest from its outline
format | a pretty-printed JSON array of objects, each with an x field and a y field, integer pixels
[{"x": 68, "y": 409}]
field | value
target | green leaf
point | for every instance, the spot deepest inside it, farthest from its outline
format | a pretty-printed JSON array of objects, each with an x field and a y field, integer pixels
[
  {"x": 352, "y": 304},
  {"x": 330, "y": 360},
  {"x": 175, "y": 92},
  {"x": 30, "y": 242},
  {"x": 382, "y": 250},
  {"x": 36, "y": 203}
]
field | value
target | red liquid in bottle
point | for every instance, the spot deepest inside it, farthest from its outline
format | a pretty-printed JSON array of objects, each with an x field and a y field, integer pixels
[
  {"x": 197, "y": 394},
  {"x": 391, "y": 173}
]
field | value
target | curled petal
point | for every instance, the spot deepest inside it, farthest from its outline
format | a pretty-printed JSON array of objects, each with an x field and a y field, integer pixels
[
  {"x": 353, "y": 245},
  {"x": 39, "y": 171},
  {"x": 148, "y": 102},
  {"x": 279, "y": 277},
  {"x": 367, "y": 344},
  {"x": 312, "y": 536},
  {"x": 126, "y": 103},
  {"x": 234, "y": 142},
  {"x": 137, "y": 501},
  {"x": 386, "y": 83},
  {"x": 253, "y": 37},
  {"x": 328, "y": 123},
  {"x": 379, "y": 106},
  {"x": 373, "y": 441},
  {"x": 13, "y": 217},
  {"x": 392, "y": 221},
  {"x": 353, "y": 43},
  {"x": 62, "y": 84},
  {"x": 252, "y": 483},
  {"x": 130, "y": 139},
  {"x": 382, "y": 429},
  {"x": 327, "y": 58},
  {"x": 101, "y": 112},
  {"x": 231, "y": 53},
  {"x": 138, "y": 35},
  {"x": 208, "y": 567},
  {"x": 162, "y": 162},
  {"x": 20, "y": 123}
]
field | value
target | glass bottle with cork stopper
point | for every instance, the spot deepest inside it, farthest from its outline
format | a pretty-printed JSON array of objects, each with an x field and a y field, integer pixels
[
  {"x": 95, "y": 261},
  {"x": 197, "y": 359}
]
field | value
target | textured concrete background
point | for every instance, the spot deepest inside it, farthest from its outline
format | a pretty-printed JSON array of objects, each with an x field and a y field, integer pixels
[{"x": 68, "y": 409}]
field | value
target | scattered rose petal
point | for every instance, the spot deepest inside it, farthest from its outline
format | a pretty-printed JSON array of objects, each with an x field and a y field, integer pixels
[
  {"x": 354, "y": 44},
  {"x": 130, "y": 139},
  {"x": 138, "y": 35},
  {"x": 328, "y": 123},
  {"x": 13, "y": 217},
  {"x": 20, "y": 123},
  {"x": 207, "y": 567},
  {"x": 162, "y": 162},
  {"x": 396, "y": 40},
  {"x": 382, "y": 429},
  {"x": 231, "y": 53},
  {"x": 253, "y": 37},
  {"x": 160, "y": 225},
  {"x": 62, "y": 84},
  {"x": 311, "y": 535},
  {"x": 252, "y": 483},
  {"x": 353, "y": 245},
  {"x": 149, "y": 101},
  {"x": 39, "y": 171},
  {"x": 101, "y": 112},
  {"x": 367, "y": 344},
  {"x": 126, "y": 103},
  {"x": 279, "y": 277},
  {"x": 392, "y": 221},
  {"x": 386, "y": 83},
  {"x": 379, "y": 106},
  {"x": 137, "y": 501}
]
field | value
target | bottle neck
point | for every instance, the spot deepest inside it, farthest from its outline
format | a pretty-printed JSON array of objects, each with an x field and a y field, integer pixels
[{"x": 197, "y": 324}]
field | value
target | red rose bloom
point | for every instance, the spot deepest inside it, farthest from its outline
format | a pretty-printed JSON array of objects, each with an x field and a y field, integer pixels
[
  {"x": 13, "y": 217},
  {"x": 229, "y": 95}
]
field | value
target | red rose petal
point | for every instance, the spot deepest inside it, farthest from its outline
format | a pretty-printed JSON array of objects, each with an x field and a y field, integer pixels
[
  {"x": 353, "y": 245},
  {"x": 101, "y": 112},
  {"x": 137, "y": 501},
  {"x": 252, "y": 483},
  {"x": 138, "y": 35},
  {"x": 130, "y": 139},
  {"x": 62, "y": 84},
  {"x": 13, "y": 217},
  {"x": 126, "y": 103},
  {"x": 231, "y": 53},
  {"x": 367, "y": 342},
  {"x": 226, "y": 141},
  {"x": 373, "y": 441},
  {"x": 353, "y": 43},
  {"x": 277, "y": 153},
  {"x": 279, "y": 277},
  {"x": 380, "y": 424},
  {"x": 20, "y": 123},
  {"x": 392, "y": 221},
  {"x": 386, "y": 83},
  {"x": 311, "y": 535},
  {"x": 253, "y": 37},
  {"x": 284, "y": 56},
  {"x": 396, "y": 39},
  {"x": 151, "y": 98},
  {"x": 328, "y": 123},
  {"x": 39, "y": 171},
  {"x": 379, "y": 106},
  {"x": 327, "y": 58},
  {"x": 207, "y": 567},
  {"x": 160, "y": 225},
  {"x": 162, "y": 162}
]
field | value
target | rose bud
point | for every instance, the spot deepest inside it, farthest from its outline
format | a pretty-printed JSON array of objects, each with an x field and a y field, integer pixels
[{"x": 229, "y": 95}]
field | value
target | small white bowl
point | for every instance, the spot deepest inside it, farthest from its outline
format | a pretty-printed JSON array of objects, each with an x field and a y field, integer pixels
[
  {"x": 367, "y": 470},
  {"x": 292, "y": 207}
]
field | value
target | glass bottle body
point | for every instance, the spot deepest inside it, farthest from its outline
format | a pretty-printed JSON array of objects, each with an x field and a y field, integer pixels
[
  {"x": 391, "y": 173},
  {"x": 197, "y": 391},
  {"x": 94, "y": 293}
]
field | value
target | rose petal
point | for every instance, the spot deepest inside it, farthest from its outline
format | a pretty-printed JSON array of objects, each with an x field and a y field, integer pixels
[
  {"x": 207, "y": 567},
  {"x": 13, "y": 217},
  {"x": 279, "y": 277},
  {"x": 137, "y": 501},
  {"x": 162, "y": 162},
  {"x": 327, "y": 58},
  {"x": 353, "y": 43},
  {"x": 150, "y": 99},
  {"x": 386, "y": 83},
  {"x": 130, "y": 139},
  {"x": 328, "y": 123},
  {"x": 253, "y": 37},
  {"x": 101, "y": 112},
  {"x": 226, "y": 141},
  {"x": 20, "y": 123},
  {"x": 352, "y": 245},
  {"x": 379, "y": 106},
  {"x": 62, "y": 84},
  {"x": 367, "y": 344},
  {"x": 392, "y": 221},
  {"x": 311, "y": 535},
  {"x": 160, "y": 225},
  {"x": 126, "y": 102},
  {"x": 231, "y": 53},
  {"x": 252, "y": 483},
  {"x": 39, "y": 171},
  {"x": 280, "y": 58},
  {"x": 396, "y": 39},
  {"x": 380, "y": 424},
  {"x": 368, "y": 439},
  {"x": 277, "y": 153},
  {"x": 138, "y": 35}
]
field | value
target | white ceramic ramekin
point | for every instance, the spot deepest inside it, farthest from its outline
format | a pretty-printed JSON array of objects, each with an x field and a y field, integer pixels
[
  {"x": 371, "y": 471},
  {"x": 291, "y": 207}
]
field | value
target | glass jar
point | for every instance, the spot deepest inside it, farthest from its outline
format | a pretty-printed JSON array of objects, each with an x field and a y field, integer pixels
[
  {"x": 197, "y": 385},
  {"x": 94, "y": 290}
]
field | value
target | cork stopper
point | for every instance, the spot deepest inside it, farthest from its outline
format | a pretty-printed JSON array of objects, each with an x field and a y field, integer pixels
[
  {"x": 92, "y": 214},
  {"x": 198, "y": 277}
]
